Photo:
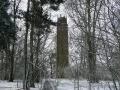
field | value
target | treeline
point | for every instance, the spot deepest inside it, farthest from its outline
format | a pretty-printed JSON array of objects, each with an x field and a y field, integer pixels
[{"x": 95, "y": 36}]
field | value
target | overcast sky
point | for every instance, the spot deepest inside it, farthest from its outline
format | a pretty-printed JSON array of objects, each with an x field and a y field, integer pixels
[{"x": 54, "y": 14}]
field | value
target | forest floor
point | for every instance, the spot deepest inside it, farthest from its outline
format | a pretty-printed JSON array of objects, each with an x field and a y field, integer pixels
[{"x": 62, "y": 84}]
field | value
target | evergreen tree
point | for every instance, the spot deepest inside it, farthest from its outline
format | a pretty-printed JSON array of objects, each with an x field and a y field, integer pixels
[
  {"x": 7, "y": 32},
  {"x": 7, "y": 36}
]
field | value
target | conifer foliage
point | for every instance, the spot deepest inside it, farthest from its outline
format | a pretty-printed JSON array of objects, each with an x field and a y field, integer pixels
[{"x": 7, "y": 32}]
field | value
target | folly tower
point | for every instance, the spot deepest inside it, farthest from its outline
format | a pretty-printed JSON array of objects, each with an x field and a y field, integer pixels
[{"x": 62, "y": 46}]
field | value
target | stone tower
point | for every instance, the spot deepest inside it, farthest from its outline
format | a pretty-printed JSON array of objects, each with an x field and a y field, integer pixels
[{"x": 62, "y": 46}]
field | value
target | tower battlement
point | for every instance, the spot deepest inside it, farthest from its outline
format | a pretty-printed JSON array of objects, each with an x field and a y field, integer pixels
[{"x": 62, "y": 20}]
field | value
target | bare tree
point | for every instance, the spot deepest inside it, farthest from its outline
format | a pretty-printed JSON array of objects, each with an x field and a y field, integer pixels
[{"x": 85, "y": 14}]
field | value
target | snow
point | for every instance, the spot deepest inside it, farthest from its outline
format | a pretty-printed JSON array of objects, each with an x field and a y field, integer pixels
[
  {"x": 4, "y": 85},
  {"x": 62, "y": 84}
]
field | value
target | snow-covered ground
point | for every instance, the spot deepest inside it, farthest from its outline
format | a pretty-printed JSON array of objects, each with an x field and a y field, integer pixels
[{"x": 62, "y": 84}]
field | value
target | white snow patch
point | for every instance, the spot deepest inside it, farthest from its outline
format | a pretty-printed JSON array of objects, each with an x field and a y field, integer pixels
[{"x": 62, "y": 84}]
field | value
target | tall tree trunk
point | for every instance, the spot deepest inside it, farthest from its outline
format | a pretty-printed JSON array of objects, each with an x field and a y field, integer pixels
[
  {"x": 91, "y": 47},
  {"x": 7, "y": 60},
  {"x": 11, "y": 78},
  {"x": 37, "y": 71},
  {"x": 25, "y": 86},
  {"x": 2, "y": 64},
  {"x": 31, "y": 70},
  {"x": 91, "y": 60}
]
